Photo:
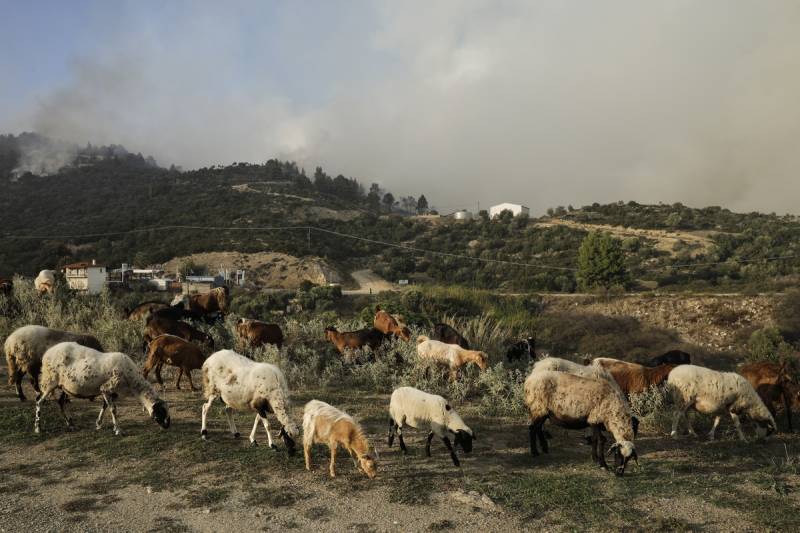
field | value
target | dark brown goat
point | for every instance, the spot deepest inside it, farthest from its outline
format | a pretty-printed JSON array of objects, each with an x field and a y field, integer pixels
[
  {"x": 774, "y": 383},
  {"x": 634, "y": 378},
  {"x": 448, "y": 335},
  {"x": 352, "y": 340},
  {"x": 141, "y": 311},
  {"x": 173, "y": 351},
  {"x": 164, "y": 326},
  {"x": 256, "y": 333}
]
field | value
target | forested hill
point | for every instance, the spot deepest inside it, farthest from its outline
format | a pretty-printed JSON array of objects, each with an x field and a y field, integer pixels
[{"x": 665, "y": 246}]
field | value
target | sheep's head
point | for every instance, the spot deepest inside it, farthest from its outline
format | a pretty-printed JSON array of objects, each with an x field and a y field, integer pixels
[
  {"x": 765, "y": 427},
  {"x": 369, "y": 464},
  {"x": 404, "y": 333},
  {"x": 160, "y": 414},
  {"x": 289, "y": 441},
  {"x": 623, "y": 451},
  {"x": 482, "y": 360},
  {"x": 464, "y": 439},
  {"x": 330, "y": 332}
]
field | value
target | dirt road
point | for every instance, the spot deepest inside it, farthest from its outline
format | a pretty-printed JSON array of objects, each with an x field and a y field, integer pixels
[{"x": 369, "y": 283}]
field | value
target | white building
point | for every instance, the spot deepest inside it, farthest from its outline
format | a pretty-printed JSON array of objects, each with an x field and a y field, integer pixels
[
  {"x": 86, "y": 277},
  {"x": 516, "y": 209}
]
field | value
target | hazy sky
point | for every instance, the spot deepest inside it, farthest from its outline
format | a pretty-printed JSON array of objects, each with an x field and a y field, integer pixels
[{"x": 538, "y": 102}]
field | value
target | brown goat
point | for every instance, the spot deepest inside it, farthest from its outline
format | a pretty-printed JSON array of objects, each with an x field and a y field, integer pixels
[
  {"x": 256, "y": 333},
  {"x": 173, "y": 351},
  {"x": 388, "y": 325},
  {"x": 774, "y": 382},
  {"x": 141, "y": 311},
  {"x": 634, "y": 378},
  {"x": 214, "y": 301},
  {"x": 158, "y": 326},
  {"x": 353, "y": 340}
]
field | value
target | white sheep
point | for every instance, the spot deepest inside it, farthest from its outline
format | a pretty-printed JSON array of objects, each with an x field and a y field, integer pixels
[
  {"x": 417, "y": 409},
  {"x": 576, "y": 402},
  {"x": 325, "y": 424},
  {"x": 45, "y": 282},
  {"x": 556, "y": 364},
  {"x": 245, "y": 385},
  {"x": 711, "y": 392},
  {"x": 82, "y": 372},
  {"x": 451, "y": 355},
  {"x": 26, "y": 346}
]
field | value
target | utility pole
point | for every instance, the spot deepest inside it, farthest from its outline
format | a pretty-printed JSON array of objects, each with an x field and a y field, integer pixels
[{"x": 308, "y": 238}]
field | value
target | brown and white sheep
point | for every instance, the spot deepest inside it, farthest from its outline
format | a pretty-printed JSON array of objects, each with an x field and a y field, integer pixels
[
  {"x": 173, "y": 351},
  {"x": 576, "y": 402},
  {"x": 633, "y": 378},
  {"x": 710, "y": 392},
  {"x": 775, "y": 384},
  {"x": 45, "y": 282},
  {"x": 26, "y": 346},
  {"x": 245, "y": 385},
  {"x": 451, "y": 355},
  {"x": 82, "y": 372},
  {"x": 256, "y": 333},
  {"x": 325, "y": 424},
  {"x": 389, "y": 325}
]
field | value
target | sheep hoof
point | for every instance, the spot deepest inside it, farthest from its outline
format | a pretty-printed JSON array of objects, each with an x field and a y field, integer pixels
[
  {"x": 274, "y": 447},
  {"x": 118, "y": 432},
  {"x": 236, "y": 435},
  {"x": 253, "y": 444},
  {"x": 204, "y": 434}
]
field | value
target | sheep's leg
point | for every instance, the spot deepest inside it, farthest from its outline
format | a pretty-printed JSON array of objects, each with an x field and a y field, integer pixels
[
  {"x": 18, "y": 375},
  {"x": 307, "y": 454},
  {"x": 532, "y": 437},
  {"x": 99, "y": 423},
  {"x": 543, "y": 438},
  {"x": 178, "y": 381},
  {"x": 204, "y": 416},
  {"x": 35, "y": 372},
  {"x": 428, "y": 444},
  {"x": 738, "y": 425},
  {"x": 231, "y": 423},
  {"x": 400, "y": 440},
  {"x": 333, "y": 446},
  {"x": 265, "y": 422},
  {"x": 39, "y": 401},
  {"x": 714, "y": 427},
  {"x": 253, "y": 433},
  {"x": 62, "y": 406},
  {"x": 453, "y": 455},
  {"x": 392, "y": 428},
  {"x": 188, "y": 373},
  {"x": 108, "y": 399}
]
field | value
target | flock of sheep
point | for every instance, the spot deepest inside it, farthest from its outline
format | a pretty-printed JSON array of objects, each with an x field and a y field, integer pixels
[{"x": 592, "y": 396}]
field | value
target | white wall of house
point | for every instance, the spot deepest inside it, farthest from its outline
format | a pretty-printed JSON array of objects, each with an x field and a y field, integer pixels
[
  {"x": 516, "y": 209},
  {"x": 91, "y": 279}
]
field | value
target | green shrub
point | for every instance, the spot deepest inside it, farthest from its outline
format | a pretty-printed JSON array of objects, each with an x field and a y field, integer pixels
[{"x": 767, "y": 344}]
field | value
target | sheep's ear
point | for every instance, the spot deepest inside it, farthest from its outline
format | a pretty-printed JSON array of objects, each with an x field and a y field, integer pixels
[{"x": 447, "y": 407}]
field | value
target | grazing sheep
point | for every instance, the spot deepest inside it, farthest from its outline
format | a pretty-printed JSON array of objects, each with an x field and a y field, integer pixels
[
  {"x": 576, "y": 402},
  {"x": 774, "y": 382},
  {"x": 448, "y": 335},
  {"x": 451, "y": 355},
  {"x": 325, "y": 424},
  {"x": 524, "y": 348},
  {"x": 633, "y": 378},
  {"x": 354, "y": 340},
  {"x": 144, "y": 309},
  {"x": 417, "y": 409},
  {"x": 556, "y": 364},
  {"x": 158, "y": 326},
  {"x": 245, "y": 385},
  {"x": 672, "y": 357},
  {"x": 26, "y": 346},
  {"x": 45, "y": 282},
  {"x": 173, "y": 351},
  {"x": 256, "y": 333},
  {"x": 82, "y": 372},
  {"x": 710, "y": 392},
  {"x": 389, "y": 325}
]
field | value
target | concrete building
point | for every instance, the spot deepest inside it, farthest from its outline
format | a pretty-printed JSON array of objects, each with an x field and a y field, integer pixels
[
  {"x": 516, "y": 209},
  {"x": 86, "y": 277}
]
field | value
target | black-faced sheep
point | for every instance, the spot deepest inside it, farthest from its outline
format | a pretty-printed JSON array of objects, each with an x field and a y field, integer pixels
[
  {"x": 82, "y": 372},
  {"x": 417, "y": 409},
  {"x": 26, "y": 346},
  {"x": 325, "y": 424},
  {"x": 710, "y": 392},
  {"x": 575, "y": 402},
  {"x": 245, "y": 385}
]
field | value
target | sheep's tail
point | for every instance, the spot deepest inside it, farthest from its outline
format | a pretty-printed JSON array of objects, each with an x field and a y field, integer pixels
[{"x": 308, "y": 427}]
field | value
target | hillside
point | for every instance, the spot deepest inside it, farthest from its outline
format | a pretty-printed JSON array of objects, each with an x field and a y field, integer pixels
[{"x": 118, "y": 198}]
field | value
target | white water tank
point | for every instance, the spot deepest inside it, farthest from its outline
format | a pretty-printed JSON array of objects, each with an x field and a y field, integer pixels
[{"x": 463, "y": 215}]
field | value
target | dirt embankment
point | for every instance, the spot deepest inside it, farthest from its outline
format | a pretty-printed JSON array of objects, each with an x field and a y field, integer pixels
[
  {"x": 268, "y": 270},
  {"x": 699, "y": 241},
  {"x": 715, "y": 321}
]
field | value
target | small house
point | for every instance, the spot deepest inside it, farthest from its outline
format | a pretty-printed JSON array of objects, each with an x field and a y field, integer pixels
[{"x": 86, "y": 277}]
